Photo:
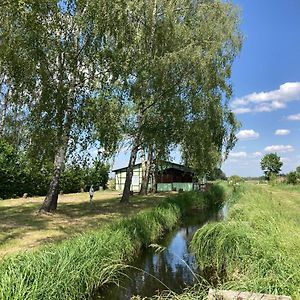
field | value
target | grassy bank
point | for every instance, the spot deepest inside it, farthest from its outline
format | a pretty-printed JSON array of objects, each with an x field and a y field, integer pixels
[
  {"x": 257, "y": 248},
  {"x": 75, "y": 267}
]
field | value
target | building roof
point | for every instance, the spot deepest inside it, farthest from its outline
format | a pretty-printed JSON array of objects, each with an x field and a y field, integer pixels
[{"x": 166, "y": 165}]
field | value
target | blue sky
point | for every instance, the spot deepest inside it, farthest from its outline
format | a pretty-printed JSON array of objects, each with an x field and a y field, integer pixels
[{"x": 266, "y": 81}]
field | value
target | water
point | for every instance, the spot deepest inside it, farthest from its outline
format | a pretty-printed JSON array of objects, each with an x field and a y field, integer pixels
[{"x": 154, "y": 271}]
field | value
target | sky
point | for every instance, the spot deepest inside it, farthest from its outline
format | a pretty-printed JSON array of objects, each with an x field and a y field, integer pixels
[
  {"x": 266, "y": 84},
  {"x": 266, "y": 81}
]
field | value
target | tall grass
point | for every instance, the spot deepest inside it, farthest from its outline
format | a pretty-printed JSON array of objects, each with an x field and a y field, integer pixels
[
  {"x": 257, "y": 248},
  {"x": 75, "y": 267}
]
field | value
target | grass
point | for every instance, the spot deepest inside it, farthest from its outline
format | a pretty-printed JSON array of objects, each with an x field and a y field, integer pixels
[
  {"x": 257, "y": 248},
  {"x": 73, "y": 268},
  {"x": 21, "y": 228}
]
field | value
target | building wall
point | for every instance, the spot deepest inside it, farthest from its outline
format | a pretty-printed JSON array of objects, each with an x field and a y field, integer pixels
[
  {"x": 136, "y": 179},
  {"x": 168, "y": 187},
  {"x": 166, "y": 182}
]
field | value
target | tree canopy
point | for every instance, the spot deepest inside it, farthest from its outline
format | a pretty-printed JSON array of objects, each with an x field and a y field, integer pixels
[
  {"x": 178, "y": 81},
  {"x": 271, "y": 165}
]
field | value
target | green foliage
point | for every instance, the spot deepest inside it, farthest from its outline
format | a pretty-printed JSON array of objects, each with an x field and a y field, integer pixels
[
  {"x": 271, "y": 164},
  {"x": 77, "y": 178},
  {"x": 217, "y": 174},
  {"x": 291, "y": 178},
  {"x": 19, "y": 174},
  {"x": 58, "y": 59},
  {"x": 10, "y": 172},
  {"x": 234, "y": 180},
  {"x": 111, "y": 184},
  {"x": 178, "y": 79},
  {"x": 272, "y": 179},
  {"x": 215, "y": 197},
  {"x": 97, "y": 175},
  {"x": 74, "y": 268},
  {"x": 72, "y": 179}
]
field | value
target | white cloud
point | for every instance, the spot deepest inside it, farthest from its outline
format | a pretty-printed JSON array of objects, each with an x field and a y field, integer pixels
[
  {"x": 279, "y": 148},
  {"x": 241, "y": 110},
  {"x": 282, "y": 132},
  {"x": 247, "y": 134},
  {"x": 241, "y": 154},
  {"x": 294, "y": 117},
  {"x": 257, "y": 154},
  {"x": 268, "y": 101}
]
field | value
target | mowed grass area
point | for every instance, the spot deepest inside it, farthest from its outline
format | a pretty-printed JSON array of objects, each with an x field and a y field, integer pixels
[
  {"x": 257, "y": 248},
  {"x": 22, "y": 228}
]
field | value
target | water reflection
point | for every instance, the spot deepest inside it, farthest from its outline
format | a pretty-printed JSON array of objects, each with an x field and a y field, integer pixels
[{"x": 154, "y": 271}]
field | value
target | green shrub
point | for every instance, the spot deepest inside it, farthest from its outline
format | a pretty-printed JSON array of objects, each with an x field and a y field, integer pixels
[
  {"x": 235, "y": 179},
  {"x": 291, "y": 178},
  {"x": 215, "y": 197}
]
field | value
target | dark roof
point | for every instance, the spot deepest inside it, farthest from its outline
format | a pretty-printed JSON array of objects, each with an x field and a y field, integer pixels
[
  {"x": 167, "y": 165},
  {"x": 125, "y": 168}
]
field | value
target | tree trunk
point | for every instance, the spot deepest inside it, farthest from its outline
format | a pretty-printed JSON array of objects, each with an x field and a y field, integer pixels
[
  {"x": 50, "y": 202},
  {"x": 3, "y": 111},
  {"x": 3, "y": 114},
  {"x": 146, "y": 175},
  {"x": 154, "y": 184},
  {"x": 129, "y": 173}
]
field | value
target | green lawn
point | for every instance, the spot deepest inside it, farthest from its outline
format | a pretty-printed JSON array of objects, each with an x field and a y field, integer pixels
[{"x": 22, "y": 228}]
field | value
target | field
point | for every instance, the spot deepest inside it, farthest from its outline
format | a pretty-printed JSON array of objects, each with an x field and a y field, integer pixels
[{"x": 22, "y": 228}]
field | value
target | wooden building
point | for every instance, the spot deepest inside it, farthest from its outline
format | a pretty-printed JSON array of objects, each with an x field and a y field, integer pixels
[{"x": 171, "y": 177}]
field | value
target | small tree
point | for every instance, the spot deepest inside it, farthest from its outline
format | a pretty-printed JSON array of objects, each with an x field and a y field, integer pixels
[
  {"x": 271, "y": 164},
  {"x": 235, "y": 180},
  {"x": 298, "y": 171},
  {"x": 291, "y": 178}
]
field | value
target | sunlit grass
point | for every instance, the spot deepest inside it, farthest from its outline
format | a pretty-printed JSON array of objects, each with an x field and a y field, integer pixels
[{"x": 22, "y": 228}]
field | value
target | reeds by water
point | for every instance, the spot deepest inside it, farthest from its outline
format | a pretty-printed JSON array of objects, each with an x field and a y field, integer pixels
[{"x": 257, "y": 248}]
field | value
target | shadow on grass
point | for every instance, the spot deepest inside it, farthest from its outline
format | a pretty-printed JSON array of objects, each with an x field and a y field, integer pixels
[{"x": 20, "y": 220}]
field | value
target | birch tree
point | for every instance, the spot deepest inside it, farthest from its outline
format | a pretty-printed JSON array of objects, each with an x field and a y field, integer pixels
[
  {"x": 183, "y": 52},
  {"x": 59, "y": 53}
]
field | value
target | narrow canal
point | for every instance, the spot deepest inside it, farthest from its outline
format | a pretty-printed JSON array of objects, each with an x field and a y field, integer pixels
[{"x": 154, "y": 271}]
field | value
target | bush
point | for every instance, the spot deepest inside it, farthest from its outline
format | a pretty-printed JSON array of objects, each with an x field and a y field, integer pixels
[
  {"x": 291, "y": 178},
  {"x": 215, "y": 197},
  {"x": 111, "y": 184},
  {"x": 11, "y": 172},
  {"x": 235, "y": 179}
]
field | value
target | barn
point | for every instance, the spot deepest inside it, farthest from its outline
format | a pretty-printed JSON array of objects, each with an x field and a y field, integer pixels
[{"x": 171, "y": 177}]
